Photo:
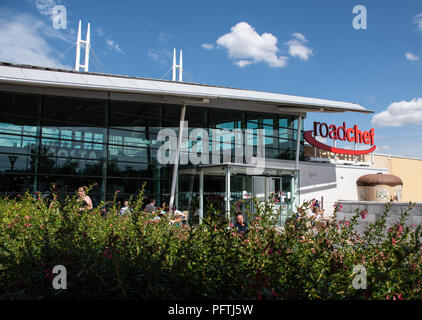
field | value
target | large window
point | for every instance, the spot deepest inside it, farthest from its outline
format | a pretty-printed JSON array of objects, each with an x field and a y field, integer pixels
[{"x": 80, "y": 141}]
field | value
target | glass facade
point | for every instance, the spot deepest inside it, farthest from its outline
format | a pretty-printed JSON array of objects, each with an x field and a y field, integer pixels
[{"x": 80, "y": 141}]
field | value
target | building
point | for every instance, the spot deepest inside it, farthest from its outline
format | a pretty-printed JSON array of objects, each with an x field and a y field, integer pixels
[
  {"x": 407, "y": 168},
  {"x": 77, "y": 128}
]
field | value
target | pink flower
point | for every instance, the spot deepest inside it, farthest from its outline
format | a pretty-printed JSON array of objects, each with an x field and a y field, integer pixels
[
  {"x": 364, "y": 214},
  {"x": 398, "y": 296},
  {"x": 338, "y": 207},
  {"x": 393, "y": 240},
  {"x": 27, "y": 218},
  {"x": 107, "y": 254},
  {"x": 313, "y": 250}
]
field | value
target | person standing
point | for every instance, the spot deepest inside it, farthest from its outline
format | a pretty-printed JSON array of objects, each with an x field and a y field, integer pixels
[
  {"x": 125, "y": 209},
  {"x": 242, "y": 226},
  {"x": 150, "y": 207},
  {"x": 85, "y": 202}
]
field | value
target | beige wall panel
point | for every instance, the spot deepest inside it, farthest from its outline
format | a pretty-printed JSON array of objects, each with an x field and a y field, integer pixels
[{"x": 410, "y": 171}]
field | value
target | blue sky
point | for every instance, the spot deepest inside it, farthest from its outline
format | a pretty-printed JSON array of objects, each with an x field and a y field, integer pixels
[{"x": 306, "y": 48}]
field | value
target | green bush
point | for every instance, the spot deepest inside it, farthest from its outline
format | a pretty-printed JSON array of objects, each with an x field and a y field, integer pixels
[{"x": 112, "y": 257}]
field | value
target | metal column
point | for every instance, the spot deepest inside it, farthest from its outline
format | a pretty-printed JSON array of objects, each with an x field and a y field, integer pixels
[
  {"x": 176, "y": 160},
  {"x": 201, "y": 196},
  {"x": 227, "y": 204},
  {"x": 299, "y": 128}
]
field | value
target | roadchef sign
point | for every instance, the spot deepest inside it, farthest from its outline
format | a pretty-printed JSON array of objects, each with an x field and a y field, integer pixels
[{"x": 340, "y": 133}]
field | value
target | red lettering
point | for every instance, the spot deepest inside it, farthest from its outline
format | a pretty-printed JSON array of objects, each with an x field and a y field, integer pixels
[
  {"x": 348, "y": 132},
  {"x": 358, "y": 135},
  {"x": 372, "y": 134},
  {"x": 333, "y": 133},
  {"x": 326, "y": 130},
  {"x": 344, "y": 132},
  {"x": 316, "y": 128},
  {"x": 366, "y": 138}
]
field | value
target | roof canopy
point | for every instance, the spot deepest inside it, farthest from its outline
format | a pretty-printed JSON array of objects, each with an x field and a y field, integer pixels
[{"x": 172, "y": 92}]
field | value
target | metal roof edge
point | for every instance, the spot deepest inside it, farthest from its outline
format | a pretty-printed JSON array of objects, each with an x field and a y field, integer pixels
[{"x": 178, "y": 90}]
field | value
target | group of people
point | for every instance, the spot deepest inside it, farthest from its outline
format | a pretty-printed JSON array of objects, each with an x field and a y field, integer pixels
[
  {"x": 179, "y": 216},
  {"x": 85, "y": 203}
]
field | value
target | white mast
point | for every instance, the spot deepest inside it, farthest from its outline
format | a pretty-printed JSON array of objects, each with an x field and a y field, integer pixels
[
  {"x": 175, "y": 66},
  {"x": 78, "y": 47},
  {"x": 87, "y": 44},
  {"x": 180, "y": 67}
]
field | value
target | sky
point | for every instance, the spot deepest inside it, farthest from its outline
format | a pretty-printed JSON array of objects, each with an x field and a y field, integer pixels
[{"x": 321, "y": 49}]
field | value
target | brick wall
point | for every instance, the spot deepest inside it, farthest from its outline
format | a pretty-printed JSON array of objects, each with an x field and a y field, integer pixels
[{"x": 375, "y": 211}]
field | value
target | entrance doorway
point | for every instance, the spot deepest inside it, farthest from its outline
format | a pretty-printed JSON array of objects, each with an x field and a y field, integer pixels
[{"x": 229, "y": 189}]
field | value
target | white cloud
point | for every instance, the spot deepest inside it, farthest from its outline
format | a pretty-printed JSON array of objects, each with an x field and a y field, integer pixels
[
  {"x": 385, "y": 148},
  {"x": 299, "y": 36},
  {"x": 297, "y": 47},
  {"x": 99, "y": 31},
  {"x": 207, "y": 46},
  {"x": 400, "y": 114},
  {"x": 111, "y": 44},
  {"x": 245, "y": 46},
  {"x": 411, "y": 57},
  {"x": 23, "y": 40},
  {"x": 243, "y": 63},
  {"x": 163, "y": 57},
  {"x": 164, "y": 37},
  {"x": 114, "y": 46},
  {"x": 45, "y": 7},
  {"x": 418, "y": 21}
]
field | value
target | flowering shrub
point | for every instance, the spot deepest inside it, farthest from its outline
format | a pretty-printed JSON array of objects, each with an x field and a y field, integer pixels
[{"x": 108, "y": 256}]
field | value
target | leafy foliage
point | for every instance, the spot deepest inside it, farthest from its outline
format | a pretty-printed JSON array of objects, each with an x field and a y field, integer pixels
[{"x": 108, "y": 256}]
